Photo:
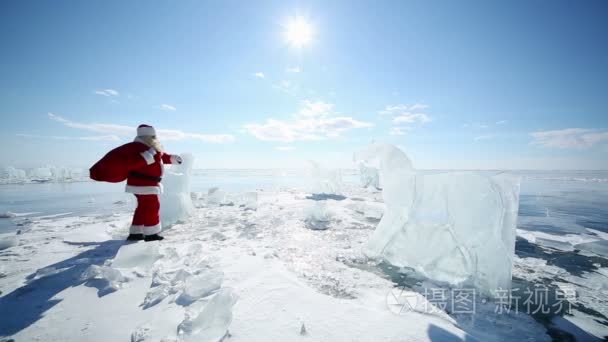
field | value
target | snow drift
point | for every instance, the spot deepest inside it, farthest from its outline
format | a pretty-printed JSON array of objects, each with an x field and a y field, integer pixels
[{"x": 454, "y": 227}]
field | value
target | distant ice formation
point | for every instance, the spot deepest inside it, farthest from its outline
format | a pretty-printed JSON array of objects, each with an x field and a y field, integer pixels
[
  {"x": 12, "y": 175},
  {"x": 369, "y": 176},
  {"x": 176, "y": 201},
  {"x": 318, "y": 216},
  {"x": 328, "y": 182},
  {"x": 215, "y": 196},
  {"x": 9, "y": 175},
  {"x": 248, "y": 200},
  {"x": 454, "y": 227}
]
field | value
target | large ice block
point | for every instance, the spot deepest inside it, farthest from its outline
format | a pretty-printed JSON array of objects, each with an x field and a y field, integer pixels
[
  {"x": 176, "y": 202},
  {"x": 455, "y": 227}
]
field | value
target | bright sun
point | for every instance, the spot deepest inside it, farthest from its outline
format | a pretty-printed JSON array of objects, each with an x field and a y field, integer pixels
[{"x": 299, "y": 32}]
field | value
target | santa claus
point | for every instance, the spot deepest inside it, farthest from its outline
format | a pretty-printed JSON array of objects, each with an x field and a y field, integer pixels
[{"x": 141, "y": 162}]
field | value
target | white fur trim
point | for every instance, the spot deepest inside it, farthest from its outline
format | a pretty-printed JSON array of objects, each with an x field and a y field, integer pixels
[
  {"x": 175, "y": 159},
  {"x": 146, "y": 131},
  {"x": 144, "y": 190},
  {"x": 151, "y": 230},
  {"x": 148, "y": 156},
  {"x": 136, "y": 229}
]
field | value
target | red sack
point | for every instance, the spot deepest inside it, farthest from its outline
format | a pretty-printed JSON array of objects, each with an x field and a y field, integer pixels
[{"x": 113, "y": 167}]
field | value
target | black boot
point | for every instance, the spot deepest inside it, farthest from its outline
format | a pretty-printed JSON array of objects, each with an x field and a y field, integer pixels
[
  {"x": 153, "y": 237},
  {"x": 135, "y": 237}
]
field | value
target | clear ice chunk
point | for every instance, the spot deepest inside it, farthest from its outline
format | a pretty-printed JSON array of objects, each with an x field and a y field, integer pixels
[
  {"x": 140, "y": 255},
  {"x": 211, "y": 324},
  {"x": 597, "y": 247},
  {"x": 454, "y": 227},
  {"x": 369, "y": 176},
  {"x": 200, "y": 286},
  {"x": 176, "y": 201},
  {"x": 323, "y": 181}
]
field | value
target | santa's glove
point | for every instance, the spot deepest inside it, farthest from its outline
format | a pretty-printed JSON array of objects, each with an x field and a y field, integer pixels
[
  {"x": 175, "y": 159},
  {"x": 149, "y": 155}
]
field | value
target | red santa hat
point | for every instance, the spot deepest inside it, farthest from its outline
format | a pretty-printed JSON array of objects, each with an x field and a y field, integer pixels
[{"x": 145, "y": 130}]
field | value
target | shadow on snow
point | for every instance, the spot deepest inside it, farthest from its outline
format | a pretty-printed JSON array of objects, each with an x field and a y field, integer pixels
[{"x": 27, "y": 304}]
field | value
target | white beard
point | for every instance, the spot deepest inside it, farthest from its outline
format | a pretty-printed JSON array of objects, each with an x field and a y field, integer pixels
[{"x": 151, "y": 142}]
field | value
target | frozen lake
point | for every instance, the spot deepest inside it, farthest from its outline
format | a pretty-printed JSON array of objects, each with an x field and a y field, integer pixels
[
  {"x": 560, "y": 212},
  {"x": 569, "y": 196},
  {"x": 91, "y": 198}
]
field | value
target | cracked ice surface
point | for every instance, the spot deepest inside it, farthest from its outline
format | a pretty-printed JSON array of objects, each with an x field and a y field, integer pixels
[{"x": 454, "y": 227}]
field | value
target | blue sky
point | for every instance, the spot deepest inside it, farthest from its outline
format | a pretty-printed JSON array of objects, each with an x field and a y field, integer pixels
[{"x": 473, "y": 84}]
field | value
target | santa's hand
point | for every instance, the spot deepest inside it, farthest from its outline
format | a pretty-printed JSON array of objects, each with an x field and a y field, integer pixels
[{"x": 175, "y": 159}]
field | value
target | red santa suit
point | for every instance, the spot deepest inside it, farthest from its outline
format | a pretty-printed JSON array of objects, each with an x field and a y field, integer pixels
[{"x": 146, "y": 165}]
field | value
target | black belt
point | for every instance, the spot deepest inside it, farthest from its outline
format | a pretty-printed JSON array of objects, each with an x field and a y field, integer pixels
[{"x": 146, "y": 177}]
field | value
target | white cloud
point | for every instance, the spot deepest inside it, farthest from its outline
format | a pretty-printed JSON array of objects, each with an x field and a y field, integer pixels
[
  {"x": 107, "y": 92},
  {"x": 474, "y": 125},
  {"x": 314, "y": 121},
  {"x": 85, "y": 138},
  {"x": 401, "y": 108},
  {"x": 172, "y": 134},
  {"x": 315, "y": 109},
  {"x": 501, "y": 122},
  {"x": 169, "y": 107},
  {"x": 129, "y": 131},
  {"x": 569, "y": 138},
  {"x": 404, "y": 114},
  {"x": 399, "y": 130},
  {"x": 410, "y": 118},
  {"x": 484, "y": 137},
  {"x": 284, "y": 148},
  {"x": 276, "y": 130},
  {"x": 259, "y": 74},
  {"x": 95, "y": 127},
  {"x": 294, "y": 70},
  {"x": 284, "y": 85},
  {"x": 418, "y": 106}
]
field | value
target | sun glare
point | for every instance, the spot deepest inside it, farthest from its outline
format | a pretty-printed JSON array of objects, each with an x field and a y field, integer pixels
[{"x": 299, "y": 32}]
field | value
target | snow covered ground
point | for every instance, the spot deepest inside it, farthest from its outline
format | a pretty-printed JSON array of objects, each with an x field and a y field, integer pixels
[{"x": 287, "y": 281}]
